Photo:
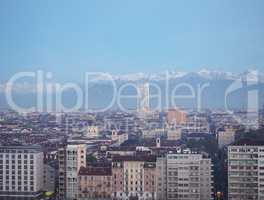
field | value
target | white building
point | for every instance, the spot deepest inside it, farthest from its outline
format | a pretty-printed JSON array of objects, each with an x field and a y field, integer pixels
[
  {"x": 184, "y": 176},
  {"x": 21, "y": 172},
  {"x": 246, "y": 171},
  {"x": 71, "y": 158}
]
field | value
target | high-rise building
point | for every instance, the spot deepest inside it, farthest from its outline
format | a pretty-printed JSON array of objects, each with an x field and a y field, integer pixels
[
  {"x": 50, "y": 175},
  {"x": 246, "y": 171},
  {"x": 71, "y": 158},
  {"x": 21, "y": 172},
  {"x": 143, "y": 94},
  {"x": 134, "y": 177},
  {"x": 184, "y": 176}
]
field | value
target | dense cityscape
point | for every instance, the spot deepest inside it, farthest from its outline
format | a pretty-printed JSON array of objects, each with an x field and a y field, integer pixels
[
  {"x": 131, "y": 100},
  {"x": 144, "y": 154}
]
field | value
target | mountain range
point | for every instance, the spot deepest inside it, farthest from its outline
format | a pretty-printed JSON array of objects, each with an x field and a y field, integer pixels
[{"x": 205, "y": 89}]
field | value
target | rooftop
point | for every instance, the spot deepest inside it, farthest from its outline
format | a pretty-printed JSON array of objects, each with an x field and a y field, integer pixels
[
  {"x": 248, "y": 142},
  {"x": 142, "y": 158},
  {"x": 31, "y": 148},
  {"x": 95, "y": 171}
]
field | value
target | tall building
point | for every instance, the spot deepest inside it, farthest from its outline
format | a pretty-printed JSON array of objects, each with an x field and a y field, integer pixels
[
  {"x": 246, "y": 171},
  {"x": 176, "y": 116},
  {"x": 95, "y": 183},
  {"x": 184, "y": 176},
  {"x": 71, "y": 158},
  {"x": 134, "y": 177},
  {"x": 62, "y": 172},
  {"x": 50, "y": 175},
  {"x": 143, "y": 101},
  {"x": 21, "y": 172}
]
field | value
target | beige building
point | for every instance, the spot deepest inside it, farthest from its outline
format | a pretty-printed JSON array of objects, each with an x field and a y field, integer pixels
[
  {"x": 176, "y": 116},
  {"x": 134, "y": 177},
  {"x": 95, "y": 183}
]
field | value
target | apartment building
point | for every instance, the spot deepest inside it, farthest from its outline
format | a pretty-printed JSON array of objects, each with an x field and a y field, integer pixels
[
  {"x": 246, "y": 171},
  {"x": 184, "y": 176},
  {"x": 134, "y": 177},
  {"x": 71, "y": 158},
  {"x": 21, "y": 172},
  {"x": 95, "y": 183}
]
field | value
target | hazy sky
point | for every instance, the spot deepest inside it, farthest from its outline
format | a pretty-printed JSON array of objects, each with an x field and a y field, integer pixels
[{"x": 124, "y": 36}]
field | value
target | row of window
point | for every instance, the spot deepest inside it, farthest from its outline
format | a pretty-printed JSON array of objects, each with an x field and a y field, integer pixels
[
  {"x": 18, "y": 161},
  {"x": 19, "y": 156},
  {"x": 13, "y": 188},
  {"x": 18, "y": 172},
  {"x": 7, "y": 177},
  {"x": 18, "y": 167}
]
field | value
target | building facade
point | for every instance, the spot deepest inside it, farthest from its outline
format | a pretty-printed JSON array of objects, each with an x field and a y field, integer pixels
[
  {"x": 95, "y": 183},
  {"x": 134, "y": 177},
  {"x": 71, "y": 158},
  {"x": 245, "y": 172},
  {"x": 21, "y": 172},
  {"x": 184, "y": 176}
]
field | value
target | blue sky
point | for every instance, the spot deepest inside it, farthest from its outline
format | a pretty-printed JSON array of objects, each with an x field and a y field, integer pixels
[{"x": 71, "y": 37}]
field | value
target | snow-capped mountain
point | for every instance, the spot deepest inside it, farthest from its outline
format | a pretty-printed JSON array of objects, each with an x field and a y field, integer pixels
[
  {"x": 213, "y": 74},
  {"x": 204, "y": 73},
  {"x": 101, "y": 92}
]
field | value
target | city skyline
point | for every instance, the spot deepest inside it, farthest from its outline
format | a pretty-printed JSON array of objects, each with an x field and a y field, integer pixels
[{"x": 132, "y": 100}]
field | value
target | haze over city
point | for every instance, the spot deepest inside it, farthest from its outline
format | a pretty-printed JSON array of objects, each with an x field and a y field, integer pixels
[{"x": 132, "y": 100}]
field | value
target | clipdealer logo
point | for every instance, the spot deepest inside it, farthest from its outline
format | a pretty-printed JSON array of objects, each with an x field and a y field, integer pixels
[
  {"x": 49, "y": 94},
  {"x": 250, "y": 97}
]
